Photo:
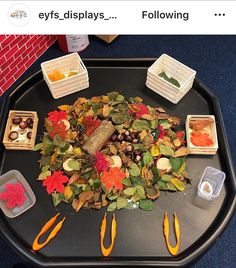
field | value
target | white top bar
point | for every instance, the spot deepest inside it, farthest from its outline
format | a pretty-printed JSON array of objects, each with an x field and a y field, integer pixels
[{"x": 118, "y": 17}]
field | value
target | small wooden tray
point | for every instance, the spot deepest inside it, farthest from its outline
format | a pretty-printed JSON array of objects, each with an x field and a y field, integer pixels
[
  {"x": 207, "y": 150},
  {"x": 17, "y": 144}
]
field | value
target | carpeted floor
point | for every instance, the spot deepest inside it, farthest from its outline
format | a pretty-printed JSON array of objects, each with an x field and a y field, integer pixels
[{"x": 214, "y": 59}]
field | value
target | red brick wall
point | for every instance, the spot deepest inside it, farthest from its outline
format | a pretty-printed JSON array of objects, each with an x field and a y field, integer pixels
[{"x": 17, "y": 53}]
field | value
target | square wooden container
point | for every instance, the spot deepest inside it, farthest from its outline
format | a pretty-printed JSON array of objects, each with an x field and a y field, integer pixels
[
  {"x": 207, "y": 150},
  {"x": 173, "y": 68},
  {"x": 17, "y": 145},
  {"x": 69, "y": 85}
]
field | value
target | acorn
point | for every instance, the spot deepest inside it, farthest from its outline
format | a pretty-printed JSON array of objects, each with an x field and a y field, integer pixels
[
  {"x": 114, "y": 136},
  {"x": 13, "y": 135},
  {"x": 137, "y": 152},
  {"x": 121, "y": 137},
  {"x": 23, "y": 125},
  {"x": 128, "y": 138}
]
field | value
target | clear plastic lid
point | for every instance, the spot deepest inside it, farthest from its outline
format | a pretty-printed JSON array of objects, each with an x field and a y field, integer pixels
[
  {"x": 13, "y": 177},
  {"x": 211, "y": 183}
]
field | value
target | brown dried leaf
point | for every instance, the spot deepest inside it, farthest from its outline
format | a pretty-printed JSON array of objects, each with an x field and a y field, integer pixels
[
  {"x": 148, "y": 117},
  {"x": 96, "y": 196},
  {"x": 96, "y": 99},
  {"x": 168, "y": 144},
  {"x": 97, "y": 205},
  {"x": 74, "y": 178},
  {"x": 174, "y": 120},
  {"x": 113, "y": 149},
  {"x": 104, "y": 201},
  {"x": 83, "y": 197},
  {"x": 160, "y": 110},
  {"x": 183, "y": 151},
  {"x": 162, "y": 116},
  {"x": 105, "y": 99}
]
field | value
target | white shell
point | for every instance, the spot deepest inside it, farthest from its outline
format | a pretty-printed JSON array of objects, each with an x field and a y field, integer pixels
[
  {"x": 164, "y": 164},
  {"x": 117, "y": 161}
]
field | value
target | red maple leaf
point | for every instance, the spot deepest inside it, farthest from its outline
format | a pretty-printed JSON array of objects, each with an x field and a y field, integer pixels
[
  {"x": 59, "y": 128},
  {"x": 13, "y": 194},
  {"x": 113, "y": 178},
  {"x": 55, "y": 182},
  {"x": 180, "y": 136},
  {"x": 140, "y": 109},
  {"x": 101, "y": 163},
  {"x": 90, "y": 124},
  {"x": 57, "y": 116}
]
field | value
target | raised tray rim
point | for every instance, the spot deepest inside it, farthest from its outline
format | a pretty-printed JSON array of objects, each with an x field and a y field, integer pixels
[{"x": 122, "y": 261}]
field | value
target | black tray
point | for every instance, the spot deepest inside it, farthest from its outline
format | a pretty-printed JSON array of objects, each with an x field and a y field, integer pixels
[{"x": 140, "y": 239}]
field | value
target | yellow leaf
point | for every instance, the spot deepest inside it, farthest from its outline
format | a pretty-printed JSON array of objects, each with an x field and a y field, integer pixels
[
  {"x": 155, "y": 150},
  {"x": 68, "y": 192},
  {"x": 106, "y": 110},
  {"x": 182, "y": 168},
  {"x": 64, "y": 107},
  {"x": 96, "y": 99},
  {"x": 178, "y": 184},
  {"x": 148, "y": 117},
  {"x": 105, "y": 99},
  {"x": 142, "y": 134},
  {"x": 80, "y": 120},
  {"x": 53, "y": 158},
  {"x": 138, "y": 99},
  {"x": 89, "y": 113},
  {"x": 77, "y": 152}
]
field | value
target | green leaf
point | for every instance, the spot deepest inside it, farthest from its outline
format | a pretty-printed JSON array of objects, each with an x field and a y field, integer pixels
[
  {"x": 146, "y": 204},
  {"x": 154, "y": 124},
  {"x": 59, "y": 142},
  {"x": 147, "y": 159},
  {"x": 112, "y": 197},
  {"x": 38, "y": 146},
  {"x": 166, "y": 177},
  {"x": 73, "y": 121},
  {"x": 176, "y": 163},
  {"x": 140, "y": 125},
  {"x": 171, "y": 187},
  {"x": 120, "y": 98},
  {"x": 140, "y": 191},
  {"x": 57, "y": 198},
  {"x": 164, "y": 124},
  {"x": 65, "y": 148},
  {"x": 120, "y": 118},
  {"x": 112, "y": 95},
  {"x": 137, "y": 181},
  {"x": 129, "y": 191},
  {"x": 121, "y": 202},
  {"x": 44, "y": 174},
  {"x": 112, "y": 206},
  {"x": 126, "y": 182},
  {"x": 45, "y": 168},
  {"x": 171, "y": 80},
  {"x": 134, "y": 170},
  {"x": 165, "y": 150},
  {"x": 162, "y": 185},
  {"x": 45, "y": 160},
  {"x": 132, "y": 205},
  {"x": 74, "y": 164},
  {"x": 77, "y": 190},
  {"x": 47, "y": 146}
]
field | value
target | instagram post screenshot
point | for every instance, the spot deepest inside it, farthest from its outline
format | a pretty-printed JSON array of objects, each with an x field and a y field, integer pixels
[{"x": 117, "y": 134}]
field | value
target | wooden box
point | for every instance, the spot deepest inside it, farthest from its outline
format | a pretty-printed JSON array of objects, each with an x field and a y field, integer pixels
[{"x": 26, "y": 136}]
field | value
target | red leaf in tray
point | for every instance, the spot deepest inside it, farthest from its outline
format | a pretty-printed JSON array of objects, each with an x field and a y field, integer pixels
[
  {"x": 13, "y": 195},
  {"x": 201, "y": 139},
  {"x": 101, "y": 163},
  {"x": 90, "y": 124},
  {"x": 56, "y": 116},
  {"x": 55, "y": 182}
]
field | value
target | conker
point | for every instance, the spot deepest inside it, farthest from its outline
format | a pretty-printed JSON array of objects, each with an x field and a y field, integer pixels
[
  {"x": 16, "y": 120},
  {"x": 23, "y": 125},
  {"x": 29, "y": 135},
  {"x": 13, "y": 135}
]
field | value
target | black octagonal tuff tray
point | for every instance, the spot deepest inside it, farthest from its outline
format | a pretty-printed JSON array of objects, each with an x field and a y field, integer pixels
[{"x": 140, "y": 239}]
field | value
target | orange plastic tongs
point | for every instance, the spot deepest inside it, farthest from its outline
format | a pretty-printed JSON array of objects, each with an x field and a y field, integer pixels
[
  {"x": 173, "y": 250},
  {"x": 36, "y": 245},
  {"x": 107, "y": 251}
]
